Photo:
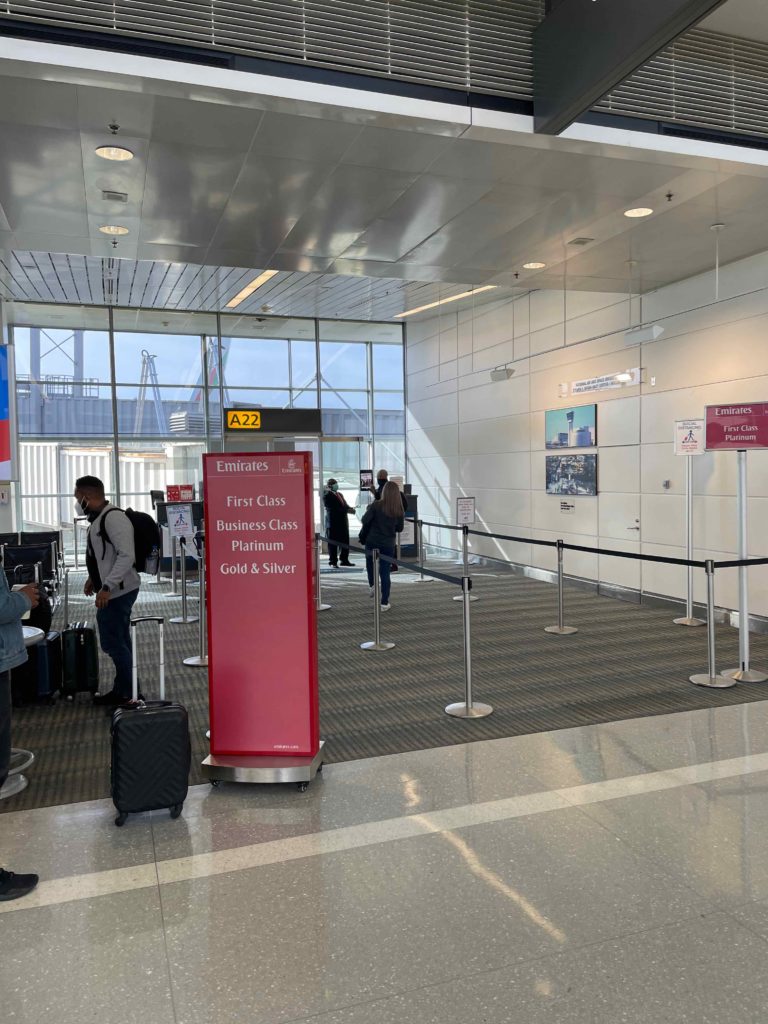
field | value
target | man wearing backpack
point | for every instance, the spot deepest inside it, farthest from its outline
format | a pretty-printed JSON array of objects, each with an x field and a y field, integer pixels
[{"x": 112, "y": 579}]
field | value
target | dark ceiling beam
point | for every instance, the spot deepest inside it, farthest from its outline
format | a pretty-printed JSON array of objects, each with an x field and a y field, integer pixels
[{"x": 585, "y": 48}]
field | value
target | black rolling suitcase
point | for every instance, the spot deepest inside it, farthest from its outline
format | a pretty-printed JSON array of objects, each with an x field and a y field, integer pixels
[
  {"x": 79, "y": 660},
  {"x": 151, "y": 749}
]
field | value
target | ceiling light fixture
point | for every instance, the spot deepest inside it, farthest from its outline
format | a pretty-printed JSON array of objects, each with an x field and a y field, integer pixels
[
  {"x": 451, "y": 298},
  {"x": 534, "y": 266},
  {"x": 114, "y": 153},
  {"x": 639, "y": 211},
  {"x": 249, "y": 289},
  {"x": 113, "y": 229}
]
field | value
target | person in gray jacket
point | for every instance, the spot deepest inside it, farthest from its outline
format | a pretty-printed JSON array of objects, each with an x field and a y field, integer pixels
[
  {"x": 13, "y": 604},
  {"x": 112, "y": 579}
]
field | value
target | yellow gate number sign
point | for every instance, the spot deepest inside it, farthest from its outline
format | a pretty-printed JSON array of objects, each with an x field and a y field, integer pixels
[{"x": 243, "y": 419}]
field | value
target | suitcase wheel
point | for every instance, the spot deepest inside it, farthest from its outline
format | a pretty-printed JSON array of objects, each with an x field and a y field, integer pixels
[
  {"x": 302, "y": 786},
  {"x": 176, "y": 810},
  {"x": 121, "y": 819}
]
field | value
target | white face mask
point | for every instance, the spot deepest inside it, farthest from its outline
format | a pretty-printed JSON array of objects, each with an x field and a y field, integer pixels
[{"x": 81, "y": 508}]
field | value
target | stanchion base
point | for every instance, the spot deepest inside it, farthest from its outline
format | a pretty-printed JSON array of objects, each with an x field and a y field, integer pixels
[
  {"x": 561, "y": 630},
  {"x": 13, "y": 785},
  {"x": 323, "y": 607},
  {"x": 196, "y": 661},
  {"x": 746, "y": 675},
  {"x": 714, "y": 682},
  {"x": 427, "y": 579},
  {"x": 460, "y": 597},
  {"x": 371, "y": 645},
  {"x": 185, "y": 621},
  {"x": 689, "y": 622},
  {"x": 465, "y": 711},
  {"x": 20, "y": 761},
  {"x": 300, "y": 770}
]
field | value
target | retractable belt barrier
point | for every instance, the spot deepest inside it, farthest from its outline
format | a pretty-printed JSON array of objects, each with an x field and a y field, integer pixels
[
  {"x": 711, "y": 678},
  {"x": 468, "y": 708}
]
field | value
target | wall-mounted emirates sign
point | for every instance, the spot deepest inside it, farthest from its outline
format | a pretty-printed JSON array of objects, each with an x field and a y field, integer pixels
[
  {"x": 737, "y": 426},
  {"x": 243, "y": 419}
]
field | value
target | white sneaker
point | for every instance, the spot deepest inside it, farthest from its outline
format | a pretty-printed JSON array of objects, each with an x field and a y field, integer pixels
[
  {"x": 371, "y": 591},
  {"x": 386, "y": 607}
]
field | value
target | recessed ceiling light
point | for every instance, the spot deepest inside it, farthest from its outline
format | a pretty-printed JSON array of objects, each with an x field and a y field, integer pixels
[
  {"x": 114, "y": 153},
  {"x": 534, "y": 266},
  {"x": 113, "y": 229},
  {"x": 249, "y": 289},
  {"x": 639, "y": 211},
  {"x": 450, "y": 298}
]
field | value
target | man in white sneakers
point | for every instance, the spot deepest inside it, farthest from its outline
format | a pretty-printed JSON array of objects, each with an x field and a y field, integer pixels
[{"x": 112, "y": 580}]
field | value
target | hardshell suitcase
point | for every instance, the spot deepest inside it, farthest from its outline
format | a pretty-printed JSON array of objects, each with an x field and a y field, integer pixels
[
  {"x": 80, "y": 660},
  {"x": 39, "y": 678},
  {"x": 151, "y": 748}
]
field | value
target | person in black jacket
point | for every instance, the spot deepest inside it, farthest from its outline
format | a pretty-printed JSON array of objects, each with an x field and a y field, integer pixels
[
  {"x": 382, "y": 521},
  {"x": 337, "y": 523}
]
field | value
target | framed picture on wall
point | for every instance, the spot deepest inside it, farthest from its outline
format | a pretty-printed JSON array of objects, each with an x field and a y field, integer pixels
[
  {"x": 571, "y": 428},
  {"x": 572, "y": 474}
]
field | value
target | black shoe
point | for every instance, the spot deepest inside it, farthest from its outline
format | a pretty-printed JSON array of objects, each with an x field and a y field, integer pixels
[
  {"x": 348, "y": 565},
  {"x": 332, "y": 565},
  {"x": 13, "y": 887},
  {"x": 110, "y": 699}
]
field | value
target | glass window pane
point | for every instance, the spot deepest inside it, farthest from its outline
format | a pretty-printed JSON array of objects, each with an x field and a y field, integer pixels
[
  {"x": 345, "y": 412},
  {"x": 61, "y": 354},
  {"x": 303, "y": 364},
  {"x": 266, "y": 399},
  {"x": 152, "y": 466},
  {"x": 387, "y": 366},
  {"x": 390, "y": 455},
  {"x": 255, "y": 362},
  {"x": 63, "y": 408},
  {"x": 343, "y": 365},
  {"x": 178, "y": 412},
  {"x": 304, "y": 399},
  {"x": 166, "y": 358}
]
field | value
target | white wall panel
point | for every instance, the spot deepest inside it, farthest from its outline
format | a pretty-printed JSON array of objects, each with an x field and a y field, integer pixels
[{"x": 619, "y": 470}]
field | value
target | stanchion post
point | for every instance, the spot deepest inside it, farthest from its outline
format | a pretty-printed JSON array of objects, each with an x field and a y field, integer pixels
[
  {"x": 75, "y": 544},
  {"x": 560, "y": 629},
  {"x": 422, "y": 578},
  {"x": 689, "y": 619},
  {"x": 465, "y": 562},
  {"x": 174, "y": 546},
  {"x": 184, "y": 617},
  {"x": 376, "y": 644},
  {"x": 468, "y": 708},
  {"x": 319, "y": 606},
  {"x": 200, "y": 660},
  {"x": 711, "y": 678},
  {"x": 66, "y": 598},
  {"x": 744, "y": 673}
]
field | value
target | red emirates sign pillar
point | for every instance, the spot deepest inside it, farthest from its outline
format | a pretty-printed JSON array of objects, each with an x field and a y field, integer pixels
[{"x": 262, "y": 654}]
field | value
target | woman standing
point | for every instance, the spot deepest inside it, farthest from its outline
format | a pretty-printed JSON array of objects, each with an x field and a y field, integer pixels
[
  {"x": 336, "y": 523},
  {"x": 382, "y": 521}
]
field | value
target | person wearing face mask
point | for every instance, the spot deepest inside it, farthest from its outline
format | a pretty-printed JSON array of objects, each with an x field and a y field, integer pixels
[
  {"x": 337, "y": 524},
  {"x": 382, "y": 478},
  {"x": 112, "y": 580}
]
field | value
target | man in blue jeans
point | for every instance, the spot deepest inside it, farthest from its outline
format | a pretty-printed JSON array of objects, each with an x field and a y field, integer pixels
[{"x": 113, "y": 581}]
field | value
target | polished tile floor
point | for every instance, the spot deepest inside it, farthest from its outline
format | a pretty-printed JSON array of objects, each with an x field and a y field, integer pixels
[{"x": 604, "y": 874}]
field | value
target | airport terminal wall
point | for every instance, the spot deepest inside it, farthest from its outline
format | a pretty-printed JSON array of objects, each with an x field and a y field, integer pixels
[{"x": 470, "y": 435}]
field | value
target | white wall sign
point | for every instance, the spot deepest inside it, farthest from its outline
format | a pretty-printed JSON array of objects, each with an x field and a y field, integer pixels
[
  {"x": 605, "y": 383},
  {"x": 180, "y": 521},
  {"x": 690, "y": 438},
  {"x": 568, "y": 507},
  {"x": 465, "y": 511}
]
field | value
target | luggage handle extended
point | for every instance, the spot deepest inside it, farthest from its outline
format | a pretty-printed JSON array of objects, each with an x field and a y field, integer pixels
[{"x": 161, "y": 627}]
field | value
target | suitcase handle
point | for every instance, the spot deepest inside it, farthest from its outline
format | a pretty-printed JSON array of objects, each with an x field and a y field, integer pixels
[{"x": 161, "y": 627}]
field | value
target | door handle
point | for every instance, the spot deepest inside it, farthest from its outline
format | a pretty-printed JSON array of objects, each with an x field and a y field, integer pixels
[{"x": 633, "y": 527}]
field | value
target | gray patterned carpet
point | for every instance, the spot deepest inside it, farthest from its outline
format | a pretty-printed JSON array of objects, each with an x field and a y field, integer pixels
[{"x": 626, "y": 661}]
